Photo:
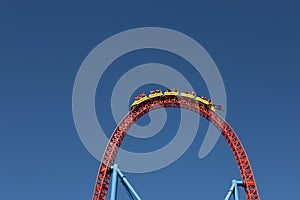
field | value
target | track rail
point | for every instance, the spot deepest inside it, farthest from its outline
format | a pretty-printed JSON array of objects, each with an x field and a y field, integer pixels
[{"x": 108, "y": 159}]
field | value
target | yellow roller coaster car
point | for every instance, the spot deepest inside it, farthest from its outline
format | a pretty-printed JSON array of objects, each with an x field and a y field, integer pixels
[
  {"x": 136, "y": 102},
  {"x": 212, "y": 107},
  {"x": 192, "y": 95},
  {"x": 171, "y": 93},
  {"x": 204, "y": 101},
  {"x": 185, "y": 94},
  {"x": 156, "y": 94}
]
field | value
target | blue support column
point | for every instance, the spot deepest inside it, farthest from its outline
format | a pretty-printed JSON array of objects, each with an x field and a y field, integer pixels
[
  {"x": 114, "y": 182},
  {"x": 115, "y": 174},
  {"x": 230, "y": 192},
  {"x": 234, "y": 190},
  {"x": 127, "y": 185}
]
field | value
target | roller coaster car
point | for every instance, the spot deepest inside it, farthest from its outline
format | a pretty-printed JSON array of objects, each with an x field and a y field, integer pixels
[
  {"x": 157, "y": 93},
  {"x": 138, "y": 100},
  {"x": 188, "y": 94},
  {"x": 212, "y": 107},
  {"x": 202, "y": 100},
  {"x": 209, "y": 103},
  {"x": 170, "y": 92}
]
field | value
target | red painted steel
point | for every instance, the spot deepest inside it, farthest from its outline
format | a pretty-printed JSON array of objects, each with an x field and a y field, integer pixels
[{"x": 108, "y": 159}]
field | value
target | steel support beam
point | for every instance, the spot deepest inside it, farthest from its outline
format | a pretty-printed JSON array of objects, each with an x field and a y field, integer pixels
[
  {"x": 114, "y": 182},
  {"x": 234, "y": 190},
  {"x": 116, "y": 173}
]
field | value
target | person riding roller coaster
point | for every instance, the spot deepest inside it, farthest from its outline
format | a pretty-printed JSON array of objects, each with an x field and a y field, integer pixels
[{"x": 169, "y": 92}]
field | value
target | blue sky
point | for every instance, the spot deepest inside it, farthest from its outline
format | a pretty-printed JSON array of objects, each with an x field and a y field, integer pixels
[{"x": 42, "y": 45}]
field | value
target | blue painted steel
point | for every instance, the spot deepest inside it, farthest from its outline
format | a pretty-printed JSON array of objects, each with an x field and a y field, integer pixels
[
  {"x": 127, "y": 191},
  {"x": 240, "y": 183},
  {"x": 116, "y": 173},
  {"x": 128, "y": 186},
  {"x": 230, "y": 192},
  {"x": 114, "y": 182},
  {"x": 234, "y": 190}
]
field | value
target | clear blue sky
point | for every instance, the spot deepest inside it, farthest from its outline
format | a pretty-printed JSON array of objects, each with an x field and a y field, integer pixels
[{"x": 43, "y": 43}]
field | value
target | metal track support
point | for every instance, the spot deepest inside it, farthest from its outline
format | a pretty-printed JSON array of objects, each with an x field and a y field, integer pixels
[
  {"x": 234, "y": 190},
  {"x": 116, "y": 173}
]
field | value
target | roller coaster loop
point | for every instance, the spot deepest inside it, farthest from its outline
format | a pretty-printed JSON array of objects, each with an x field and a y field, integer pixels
[{"x": 174, "y": 101}]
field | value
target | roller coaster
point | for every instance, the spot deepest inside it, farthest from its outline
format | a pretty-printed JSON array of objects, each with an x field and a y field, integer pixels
[{"x": 173, "y": 99}]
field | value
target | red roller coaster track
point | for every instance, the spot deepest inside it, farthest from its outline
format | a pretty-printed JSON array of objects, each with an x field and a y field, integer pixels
[{"x": 108, "y": 159}]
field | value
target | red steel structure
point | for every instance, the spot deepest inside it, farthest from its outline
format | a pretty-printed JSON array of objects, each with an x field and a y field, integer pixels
[{"x": 108, "y": 159}]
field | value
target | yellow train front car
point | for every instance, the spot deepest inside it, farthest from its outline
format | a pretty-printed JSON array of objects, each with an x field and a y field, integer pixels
[{"x": 206, "y": 102}]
